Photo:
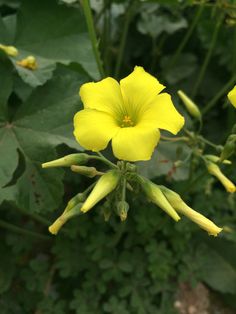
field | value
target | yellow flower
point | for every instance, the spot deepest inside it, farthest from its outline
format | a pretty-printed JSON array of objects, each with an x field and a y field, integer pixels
[
  {"x": 130, "y": 114},
  {"x": 215, "y": 171},
  {"x": 232, "y": 96}
]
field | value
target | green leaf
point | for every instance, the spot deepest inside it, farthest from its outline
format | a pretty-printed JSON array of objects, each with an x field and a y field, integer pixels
[
  {"x": 218, "y": 267},
  {"x": 41, "y": 123},
  {"x": 54, "y": 32},
  {"x": 162, "y": 162}
]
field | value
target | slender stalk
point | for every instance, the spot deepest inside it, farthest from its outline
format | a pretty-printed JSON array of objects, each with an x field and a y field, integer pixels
[
  {"x": 103, "y": 159},
  {"x": 221, "y": 92},
  {"x": 36, "y": 217},
  {"x": 186, "y": 37},
  {"x": 128, "y": 17},
  {"x": 92, "y": 35},
  {"x": 207, "y": 58},
  {"x": 22, "y": 231},
  {"x": 174, "y": 139}
]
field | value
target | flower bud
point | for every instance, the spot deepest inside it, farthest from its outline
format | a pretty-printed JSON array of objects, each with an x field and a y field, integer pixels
[
  {"x": 104, "y": 186},
  {"x": 216, "y": 159},
  {"x": 190, "y": 105},
  {"x": 90, "y": 172},
  {"x": 229, "y": 147},
  {"x": 9, "y": 50},
  {"x": 154, "y": 193},
  {"x": 122, "y": 210},
  {"x": 67, "y": 161},
  {"x": 56, "y": 226},
  {"x": 232, "y": 96},
  {"x": 214, "y": 170},
  {"x": 28, "y": 63},
  {"x": 182, "y": 208}
]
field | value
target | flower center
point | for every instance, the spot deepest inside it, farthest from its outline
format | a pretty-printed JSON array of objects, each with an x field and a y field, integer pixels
[{"x": 126, "y": 122}]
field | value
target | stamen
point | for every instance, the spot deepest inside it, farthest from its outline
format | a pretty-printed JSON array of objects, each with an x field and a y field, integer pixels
[{"x": 127, "y": 122}]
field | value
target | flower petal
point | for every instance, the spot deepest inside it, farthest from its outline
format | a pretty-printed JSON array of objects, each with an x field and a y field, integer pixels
[
  {"x": 135, "y": 143},
  {"x": 103, "y": 96},
  {"x": 94, "y": 129},
  {"x": 232, "y": 96},
  {"x": 162, "y": 114},
  {"x": 139, "y": 88}
]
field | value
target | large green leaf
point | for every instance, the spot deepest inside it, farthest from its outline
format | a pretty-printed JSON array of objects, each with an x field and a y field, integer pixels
[
  {"x": 55, "y": 32},
  {"x": 41, "y": 123}
]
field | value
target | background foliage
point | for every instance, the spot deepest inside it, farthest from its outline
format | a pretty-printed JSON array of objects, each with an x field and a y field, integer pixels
[{"x": 138, "y": 266}]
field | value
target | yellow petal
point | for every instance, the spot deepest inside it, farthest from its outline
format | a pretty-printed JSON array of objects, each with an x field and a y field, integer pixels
[
  {"x": 94, "y": 129},
  {"x": 162, "y": 114},
  {"x": 135, "y": 143},
  {"x": 103, "y": 96},
  {"x": 139, "y": 88},
  {"x": 232, "y": 96}
]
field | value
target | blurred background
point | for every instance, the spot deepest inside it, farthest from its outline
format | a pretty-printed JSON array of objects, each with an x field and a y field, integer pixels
[{"x": 149, "y": 263}]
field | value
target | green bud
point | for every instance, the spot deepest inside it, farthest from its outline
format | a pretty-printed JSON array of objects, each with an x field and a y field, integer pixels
[
  {"x": 216, "y": 159},
  {"x": 56, "y": 226},
  {"x": 90, "y": 172},
  {"x": 122, "y": 210},
  {"x": 154, "y": 193},
  {"x": 190, "y": 105},
  {"x": 131, "y": 167},
  {"x": 229, "y": 147},
  {"x": 104, "y": 186},
  {"x": 67, "y": 161}
]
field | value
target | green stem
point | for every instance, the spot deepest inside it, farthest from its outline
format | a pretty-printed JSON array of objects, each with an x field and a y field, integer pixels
[
  {"x": 221, "y": 92},
  {"x": 186, "y": 37},
  {"x": 92, "y": 35},
  {"x": 208, "y": 142},
  {"x": 123, "y": 40},
  {"x": 103, "y": 159},
  {"x": 36, "y": 217},
  {"x": 22, "y": 231},
  {"x": 207, "y": 58},
  {"x": 174, "y": 139}
]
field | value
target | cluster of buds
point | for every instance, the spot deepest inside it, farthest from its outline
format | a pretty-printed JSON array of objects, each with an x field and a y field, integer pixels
[{"x": 113, "y": 185}]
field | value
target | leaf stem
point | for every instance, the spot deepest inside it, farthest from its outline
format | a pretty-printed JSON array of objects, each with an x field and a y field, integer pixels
[
  {"x": 123, "y": 40},
  {"x": 92, "y": 35},
  {"x": 207, "y": 58},
  {"x": 22, "y": 231},
  {"x": 186, "y": 38},
  {"x": 221, "y": 92}
]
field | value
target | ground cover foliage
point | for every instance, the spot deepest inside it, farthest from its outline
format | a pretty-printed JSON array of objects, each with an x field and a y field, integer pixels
[{"x": 93, "y": 266}]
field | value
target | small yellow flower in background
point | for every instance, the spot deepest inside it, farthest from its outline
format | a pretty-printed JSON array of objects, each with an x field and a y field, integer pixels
[
  {"x": 232, "y": 96},
  {"x": 215, "y": 171},
  {"x": 130, "y": 114},
  {"x": 28, "y": 63}
]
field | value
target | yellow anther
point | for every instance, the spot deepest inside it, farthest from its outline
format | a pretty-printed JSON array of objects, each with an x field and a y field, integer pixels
[{"x": 127, "y": 121}]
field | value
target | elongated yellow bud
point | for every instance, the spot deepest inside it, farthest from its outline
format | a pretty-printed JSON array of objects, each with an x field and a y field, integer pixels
[
  {"x": 67, "y": 161},
  {"x": 214, "y": 170},
  {"x": 232, "y": 96},
  {"x": 216, "y": 159},
  {"x": 67, "y": 214},
  {"x": 182, "y": 208},
  {"x": 105, "y": 185},
  {"x": 9, "y": 50},
  {"x": 90, "y": 172},
  {"x": 28, "y": 63},
  {"x": 154, "y": 193},
  {"x": 190, "y": 105}
]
